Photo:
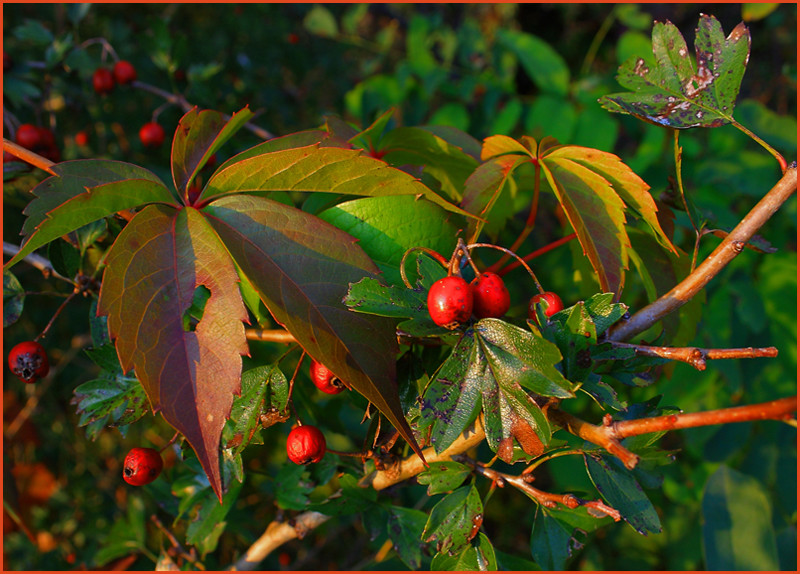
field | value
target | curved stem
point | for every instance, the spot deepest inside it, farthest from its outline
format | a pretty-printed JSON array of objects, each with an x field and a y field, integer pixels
[
  {"x": 725, "y": 252},
  {"x": 510, "y": 253},
  {"x": 537, "y": 253},
  {"x": 762, "y": 143}
]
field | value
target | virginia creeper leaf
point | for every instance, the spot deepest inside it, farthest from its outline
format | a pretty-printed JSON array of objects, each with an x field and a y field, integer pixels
[
  {"x": 676, "y": 93},
  {"x": 77, "y": 196},
  {"x": 302, "y": 267},
  {"x": 294, "y": 140},
  {"x": 630, "y": 187},
  {"x": 317, "y": 168},
  {"x": 153, "y": 269},
  {"x": 198, "y": 136},
  {"x": 597, "y": 215}
]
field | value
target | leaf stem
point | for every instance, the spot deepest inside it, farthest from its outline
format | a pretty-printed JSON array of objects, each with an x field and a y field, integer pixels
[
  {"x": 781, "y": 160},
  {"x": 678, "y": 153}
]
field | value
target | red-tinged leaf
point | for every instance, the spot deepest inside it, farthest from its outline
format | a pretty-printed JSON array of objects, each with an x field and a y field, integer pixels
[
  {"x": 298, "y": 139},
  {"x": 676, "y": 93},
  {"x": 494, "y": 146},
  {"x": 153, "y": 269},
  {"x": 317, "y": 168},
  {"x": 198, "y": 136},
  {"x": 597, "y": 215},
  {"x": 483, "y": 187},
  {"x": 68, "y": 211},
  {"x": 630, "y": 187},
  {"x": 302, "y": 268}
]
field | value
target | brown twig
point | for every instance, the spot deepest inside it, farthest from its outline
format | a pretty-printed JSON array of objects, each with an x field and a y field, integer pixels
[
  {"x": 725, "y": 252},
  {"x": 546, "y": 499},
  {"x": 28, "y": 156},
  {"x": 610, "y": 433},
  {"x": 695, "y": 356},
  {"x": 270, "y": 335}
]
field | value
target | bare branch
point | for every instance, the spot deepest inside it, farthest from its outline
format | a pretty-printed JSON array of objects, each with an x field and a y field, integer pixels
[
  {"x": 695, "y": 356},
  {"x": 725, "y": 252},
  {"x": 595, "y": 434}
]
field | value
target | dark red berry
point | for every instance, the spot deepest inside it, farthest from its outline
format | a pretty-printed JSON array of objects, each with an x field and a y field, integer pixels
[
  {"x": 103, "y": 80},
  {"x": 46, "y": 138},
  {"x": 305, "y": 444},
  {"x": 28, "y": 360},
  {"x": 8, "y": 62},
  {"x": 151, "y": 134},
  {"x": 490, "y": 296},
  {"x": 142, "y": 466},
  {"x": 82, "y": 138},
  {"x": 124, "y": 72},
  {"x": 450, "y": 302},
  {"x": 554, "y": 305},
  {"x": 324, "y": 379},
  {"x": 28, "y": 136}
]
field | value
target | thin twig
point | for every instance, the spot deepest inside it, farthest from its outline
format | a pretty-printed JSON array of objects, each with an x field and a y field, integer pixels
[
  {"x": 546, "y": 499},
  {"x": 28, "y": 156},
  {"x": 725, "y": 252},
  {"x": 37, "y": 261},
  {"x": 696, "y": 356}
]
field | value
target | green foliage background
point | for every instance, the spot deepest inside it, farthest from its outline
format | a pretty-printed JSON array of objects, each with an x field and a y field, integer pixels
[{"x": 449, "y": 65}]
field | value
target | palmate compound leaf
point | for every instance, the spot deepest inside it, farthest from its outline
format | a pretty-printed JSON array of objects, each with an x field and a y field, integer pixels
[
  {"x": 84, "y": 191},
  {"x": 302, "y": 267},
  {"x": 153, "y": 269},
  {"x": 672, "y": 92}
]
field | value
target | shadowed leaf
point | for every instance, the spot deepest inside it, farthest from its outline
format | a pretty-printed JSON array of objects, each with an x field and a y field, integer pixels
[{"x": 152, "y": 272}]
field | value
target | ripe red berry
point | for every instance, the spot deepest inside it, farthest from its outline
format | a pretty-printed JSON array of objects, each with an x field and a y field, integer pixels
[
  {"x": 103, "y": 80},
  {"x": 82, "y": 138},
  {"x": 450, "y": 302},
  {"x": 554, "y": 304},
  {"x": 305, "y": 444},
  {"x": 142, "y": 466},
  {"x": 324, "y": 379},
  {"x": 490, "y": 296},
  {"x": 28, "y": 136},
  {"x": 124, "y": 72},
  {"x": 46, "y": 138},
  {"x": 151, "y": 134},
  {"x": 28, "y": 360}
]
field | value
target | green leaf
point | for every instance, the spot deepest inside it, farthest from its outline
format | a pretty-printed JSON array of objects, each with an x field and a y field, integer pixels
[
  {"x": 551, "y": 541},
  {"x": 198, "y": 136},
  {"x": 603, "y": 311},
  {"x": 352, "y": 499},
  {"x": 595, "y": 212},
  {"x": 127, "y": 534},
  {"x": 737, "y": 523},
  {"x": 316, "y": 168},
  {"x": 575, "y": 336},
  {"x": 13, "y": 298},
  {"x": 455, "y": 520},
  {"x": 444, "y": 476},
  {"x": 404, "y": 528},
  {"x": 321, "y": 22},
  {"x": 292, "y": 487},
  {"x": 674, "y": 92},
  {"x": 109, "y": 401},
  {"x": 451, "y": 401},
  {"x": 371, "y": 296},
  {"x": 153, "y": 269},
  {"x": 620, "y": 489},
  {"x": 387, "y": 227},
  {"x": 478, "y": 556},
  {"x": 543, "y": 64},
  {"x": 518, "y": 356},
  {"x": 34, "y": 32},
  {"x": 264, "y": 388},
  {"x": 445, "y": 162},
  {"x": 302, "y": 267},
  {"x": 207, "y": 519},
  {"x": 82, "y": 192}
]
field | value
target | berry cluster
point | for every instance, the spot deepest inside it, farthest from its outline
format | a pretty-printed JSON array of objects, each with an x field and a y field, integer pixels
[
  {"x": 452, "y": 301},
  {"x": 104, "y": 80}
]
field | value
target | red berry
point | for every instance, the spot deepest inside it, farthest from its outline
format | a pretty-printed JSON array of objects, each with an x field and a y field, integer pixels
[
  {"x": 450, "y": 302},
  {"x": 142, "y": 466},
  {"x": 124, "y": 72},
  {"x": 28, "y": 360},
  {"x": 28, "y": 136},
  {"x": 46, "y": 138},
  {"x": 82, "y": 138},
  {"x": 490, "y": 296},
  {"x": 305, "y": 444},
  {"x": 103, "y": 80},
  {"x": 151, "y": 134},
  {"x": 554, "y": 304},
  {"x": 324, "y": 379}
]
